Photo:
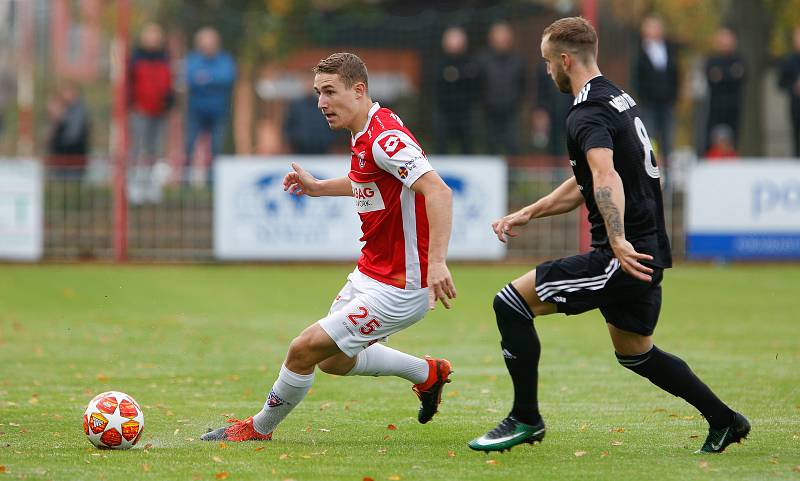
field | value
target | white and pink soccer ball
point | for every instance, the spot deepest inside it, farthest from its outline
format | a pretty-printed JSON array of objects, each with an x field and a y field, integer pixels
[{"x": 113, "y": 420}]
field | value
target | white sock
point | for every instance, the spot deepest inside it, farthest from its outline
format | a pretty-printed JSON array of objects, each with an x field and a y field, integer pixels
[
  {"x": 289, "y": 389},
  {"x": 380, "y": 360}
]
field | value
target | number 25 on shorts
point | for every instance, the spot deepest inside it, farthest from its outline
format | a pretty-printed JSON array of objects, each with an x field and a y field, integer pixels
[{"x": 367, "y": 327}]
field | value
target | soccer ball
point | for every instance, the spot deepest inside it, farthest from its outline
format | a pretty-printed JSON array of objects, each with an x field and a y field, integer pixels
[{"x": 113, "y": 420}]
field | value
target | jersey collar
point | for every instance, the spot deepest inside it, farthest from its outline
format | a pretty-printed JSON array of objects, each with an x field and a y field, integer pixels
[
  {"x": 372, "y": 110},
  {"x": 587, "y": 82}
]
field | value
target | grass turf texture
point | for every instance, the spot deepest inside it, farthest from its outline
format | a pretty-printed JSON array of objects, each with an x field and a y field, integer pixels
[{"x": 195, "y": 344}]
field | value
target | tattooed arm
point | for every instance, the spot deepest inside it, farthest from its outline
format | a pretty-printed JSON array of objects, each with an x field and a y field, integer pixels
[{"x": 609, "y": 196}]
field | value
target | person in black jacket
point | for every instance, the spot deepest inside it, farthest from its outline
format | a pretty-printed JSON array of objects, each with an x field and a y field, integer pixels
[
  {"x": 455, "y": 83},
  {"x": 68, "y": 142},
  {"x": 725, "y": 72},
  {"x": 789, "y": 80},
  {"x": 502, "y": 76},
  {"x": 655, "y": 82}
]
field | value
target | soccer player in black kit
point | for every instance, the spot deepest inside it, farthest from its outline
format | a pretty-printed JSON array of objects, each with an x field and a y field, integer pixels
[{"x": 617, "y": 177}]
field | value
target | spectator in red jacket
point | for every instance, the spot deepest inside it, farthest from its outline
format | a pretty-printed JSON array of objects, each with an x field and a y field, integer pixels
[
  {"x": 150, "y": 97},
  {"x": 722, "y": 146}
]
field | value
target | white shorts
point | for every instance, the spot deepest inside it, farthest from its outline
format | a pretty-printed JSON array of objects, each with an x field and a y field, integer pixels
[{"x": 367, "y": 311}]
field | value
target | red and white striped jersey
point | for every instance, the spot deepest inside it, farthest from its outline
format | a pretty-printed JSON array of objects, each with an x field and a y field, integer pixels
[{"x": 386, "y": 160}]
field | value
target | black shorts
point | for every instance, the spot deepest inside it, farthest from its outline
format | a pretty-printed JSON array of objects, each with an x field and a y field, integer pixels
[{"x": 595, "y": 280}]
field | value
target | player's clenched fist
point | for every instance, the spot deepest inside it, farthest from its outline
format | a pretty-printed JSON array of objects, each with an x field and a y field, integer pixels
[{"x": 300, "y": 182}]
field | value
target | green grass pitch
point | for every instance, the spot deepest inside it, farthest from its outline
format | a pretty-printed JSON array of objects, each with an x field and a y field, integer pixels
[{"x": 196, "y": 344}]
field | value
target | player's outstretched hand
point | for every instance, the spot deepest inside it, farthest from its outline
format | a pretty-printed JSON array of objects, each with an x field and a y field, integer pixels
[
  {"x": 300, "y": 182},
  {"x": 629, "y": 260},
  {"x": 504, "y": 227},
  {"x": 440, "y": 284}
]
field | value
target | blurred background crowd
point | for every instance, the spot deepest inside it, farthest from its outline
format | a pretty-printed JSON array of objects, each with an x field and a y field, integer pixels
[
  {"x": 717, "y": 80},
  {"x": 235, "y": 75}
]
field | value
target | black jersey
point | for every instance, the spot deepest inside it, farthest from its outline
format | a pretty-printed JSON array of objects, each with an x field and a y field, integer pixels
[{"x": 605, "y": 116}]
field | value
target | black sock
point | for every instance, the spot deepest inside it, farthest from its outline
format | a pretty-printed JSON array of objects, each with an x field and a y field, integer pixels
[
  {"x": 673, "y": 375},
  {"x": 521, "y": 351}
]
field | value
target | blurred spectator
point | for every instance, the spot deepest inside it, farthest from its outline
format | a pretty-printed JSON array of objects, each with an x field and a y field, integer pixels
[
  {"x": 210, "y": 74},
  {"x": 455, "y": 84},
  {"x": 725, "y": 71},
  {"x": 304, "y": 127},
  {"x": 722, "y": 147},
  {"x": 7, "y": 87},
  {"x": 150, "y": 96},
  {"x": 789, "y": 79},
  {"x": 68, "y": 144},
  {"x": 655, "y": 82},
  {"x": 548, "y": 118},
  {"x": 502, "y": 76}
]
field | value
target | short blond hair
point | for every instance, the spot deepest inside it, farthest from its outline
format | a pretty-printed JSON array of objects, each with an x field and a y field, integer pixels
[
  {"x": 348, "y": 66},
  {"x": 573, "y": 34}
]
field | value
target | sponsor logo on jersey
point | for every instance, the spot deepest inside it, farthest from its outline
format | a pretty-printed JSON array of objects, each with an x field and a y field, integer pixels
[
  {"x": 559, "y": 299},
  {"x": 361, "y": 160},
  {"x": 573, "y": 162},
  {"x": 391, "y": 144},
  {"x": 402, "y": 172},
  {"x": 367, "y": 196}
]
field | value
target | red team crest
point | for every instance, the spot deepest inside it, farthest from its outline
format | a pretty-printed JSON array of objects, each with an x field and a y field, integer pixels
[{"x": 391, "y": 144}]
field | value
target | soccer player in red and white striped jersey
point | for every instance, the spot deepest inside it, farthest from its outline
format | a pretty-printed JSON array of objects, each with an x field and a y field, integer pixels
[{"x": 406, "y": 217}]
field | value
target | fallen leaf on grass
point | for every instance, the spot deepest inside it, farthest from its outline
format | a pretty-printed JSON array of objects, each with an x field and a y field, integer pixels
[
  {"x": 616, "y": 443},
  {"x": 221, "y": 475},
  {"x": 659, "y": 410},
  {"x": 148, "y": 446},
  {"x": 797, "y": 468},
  {"x": 452, "y": 394},
  {"x": 694, "y": 436},
  {"x": 391, "y": 427},
  {"x": 222, "y": 445},
  {"x": 774, "y": 460},
  {"x": 146, "y": 468},
  {"x": 260, "y": 448},
  {"x": 387, "y": 437},
  {"x": 616, "y": 430},
  {"x": 383, "y": 450},
  {"x": 216, "y": 459},
  {"x": 688, "y": 418},
  {"x": 584, "y": 427},
  {"x": 492, "y": 410},
  {"x": 367, "y": 478},
  {"x": 578, "y": 454},
  {"x": 604, "y": 454},
  {"x": 394, "y": 477},
  {"x": 308, "y": 429},
  {"x": 305, "y": 456},
  {"x": 451, "y": 454},
  {"x": 324, "y": 430},
  {"x": 492, "y": 461},
  {"x": 283, "y": 456},
  {"x": 34, "y": 399},
  {"x": 324, "y": 406},
  {"x": 702, "y": 465},
  {"x": 3, "y": 468}
]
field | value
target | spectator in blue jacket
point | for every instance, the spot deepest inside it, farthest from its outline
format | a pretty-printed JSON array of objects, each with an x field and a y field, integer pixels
[{"x": 210, "y": 74}]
